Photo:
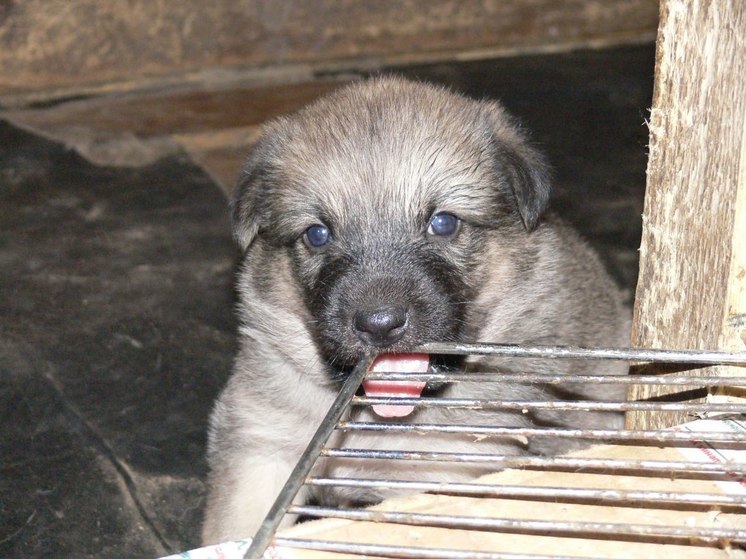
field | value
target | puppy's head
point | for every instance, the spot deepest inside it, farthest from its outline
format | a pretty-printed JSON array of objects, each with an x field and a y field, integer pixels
[{"x": 382, "y": 197}]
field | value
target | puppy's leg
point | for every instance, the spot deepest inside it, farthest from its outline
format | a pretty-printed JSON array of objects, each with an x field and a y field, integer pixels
[{"x": 241, "y": 493}]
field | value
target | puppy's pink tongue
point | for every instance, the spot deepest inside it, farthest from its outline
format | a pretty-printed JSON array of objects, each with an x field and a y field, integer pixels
[{"x": 396, "y": 363}]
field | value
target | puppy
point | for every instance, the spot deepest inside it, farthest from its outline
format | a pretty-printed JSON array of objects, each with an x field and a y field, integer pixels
[{"x": 383, "y": 216}]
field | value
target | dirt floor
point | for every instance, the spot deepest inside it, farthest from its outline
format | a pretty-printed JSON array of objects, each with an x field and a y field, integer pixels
[{"x": 116, "y": 264}]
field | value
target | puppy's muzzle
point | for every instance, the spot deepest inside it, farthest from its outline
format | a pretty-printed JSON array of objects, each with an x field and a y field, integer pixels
[{"x": 381, "y": 327}]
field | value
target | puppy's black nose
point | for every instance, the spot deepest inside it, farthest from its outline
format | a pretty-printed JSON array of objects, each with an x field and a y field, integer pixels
[{"x": 381, "y": 327}]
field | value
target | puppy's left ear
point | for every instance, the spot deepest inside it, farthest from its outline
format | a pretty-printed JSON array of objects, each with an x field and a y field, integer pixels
[{"x": 524, "y": 168}]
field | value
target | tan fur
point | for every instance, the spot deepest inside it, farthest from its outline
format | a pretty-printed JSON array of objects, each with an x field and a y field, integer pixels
[{"x": 374, "y": 160}]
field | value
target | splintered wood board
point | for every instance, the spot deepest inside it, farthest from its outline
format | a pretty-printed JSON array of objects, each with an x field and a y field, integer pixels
[{"x": 691, "y": 289}]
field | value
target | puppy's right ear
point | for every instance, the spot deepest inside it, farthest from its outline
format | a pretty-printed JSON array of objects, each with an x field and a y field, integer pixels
[
  {"x": 524, "y": 169},
  {"x": 249, "y": 205}
]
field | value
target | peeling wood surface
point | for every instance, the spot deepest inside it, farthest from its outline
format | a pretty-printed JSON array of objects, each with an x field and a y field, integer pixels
[
  {"x": 47, "y": 44},
  {"x": 692, "y": 279}
]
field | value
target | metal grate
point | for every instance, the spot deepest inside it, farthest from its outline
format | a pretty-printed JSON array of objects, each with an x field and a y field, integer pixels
[{"x": 726, "y": 448}]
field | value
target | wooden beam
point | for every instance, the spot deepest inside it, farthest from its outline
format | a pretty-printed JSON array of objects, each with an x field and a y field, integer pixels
[
  {"x": 69, "y": 47},
  {"x": 691, "y": 292}
]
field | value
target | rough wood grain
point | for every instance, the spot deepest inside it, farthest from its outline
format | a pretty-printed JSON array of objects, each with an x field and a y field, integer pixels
[
  {"x": 545, "y": 545},
  {"x": 692, "y": 282},
  {"x": 47, "y": 44}
]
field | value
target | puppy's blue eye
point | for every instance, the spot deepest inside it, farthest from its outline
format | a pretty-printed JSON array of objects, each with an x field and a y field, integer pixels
[
  {"x": 443, "y": 225},
  {"x": 316, "y": 236}
]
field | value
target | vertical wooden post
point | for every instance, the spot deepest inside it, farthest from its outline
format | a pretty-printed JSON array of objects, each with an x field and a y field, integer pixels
[{"x": 691, "y": 291}]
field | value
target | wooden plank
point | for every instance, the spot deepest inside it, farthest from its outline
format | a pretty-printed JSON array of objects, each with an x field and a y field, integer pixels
[
  {"x": 691, "y": 290},
  {"x": 640, "y": 512},
  {"x": 215, "y": 126},
  {"x": 187, "y": 110},
  {"x": 48, "y": 44}
]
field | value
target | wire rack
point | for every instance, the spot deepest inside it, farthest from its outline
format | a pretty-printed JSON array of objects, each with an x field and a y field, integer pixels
[{"x": 704, "y": 511}]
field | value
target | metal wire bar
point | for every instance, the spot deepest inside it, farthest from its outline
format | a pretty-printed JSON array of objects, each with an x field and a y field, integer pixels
[
  {"x": 668, "y": 467},
  {"x": 695, "y": 357},
  {"x": 692, "y": 535},
  {"x": 551, "y": 378},
  {"x": 296, "y": 480},
  {"x": 564, "y": 405},
  {"x": 544, "y": 527},
  {"x": 404, "y": 552},
  {"x": 533, "y": 492},
  {"x": 589, "y": 434}
]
